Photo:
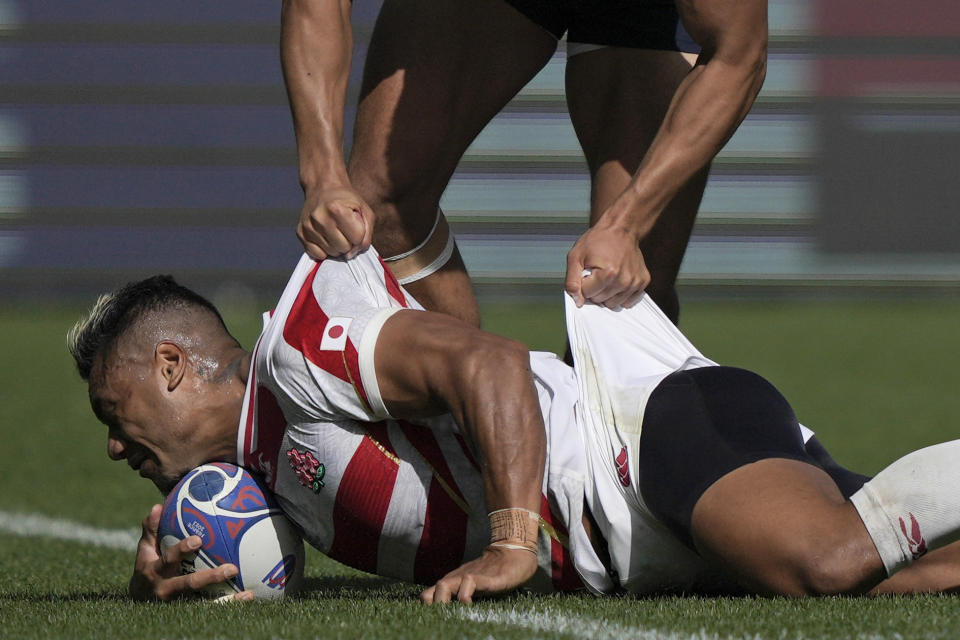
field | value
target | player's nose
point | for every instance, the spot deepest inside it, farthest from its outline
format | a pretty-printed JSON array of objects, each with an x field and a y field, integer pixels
[{"x": 115, "y": 448}]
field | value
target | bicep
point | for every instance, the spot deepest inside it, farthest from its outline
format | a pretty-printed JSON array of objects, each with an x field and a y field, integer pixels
[
  {"x": 413, "y": 361},
  {"x": 429, "y": 363}
]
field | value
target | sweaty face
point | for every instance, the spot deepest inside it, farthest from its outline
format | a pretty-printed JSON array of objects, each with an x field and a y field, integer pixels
[{"x": 144, "y": 425}]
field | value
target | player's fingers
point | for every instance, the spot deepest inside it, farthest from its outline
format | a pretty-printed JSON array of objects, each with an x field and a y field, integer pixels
[
  {"x": 150, "y": 525},
  {"x": 333, "y": 242},
  {"x": 574, "y": 280},
  {"x": 322, "y": 232},
  {"x": 467, "y": 587},
  {"x": 349, "y": 222},
  {"x": 443, "y": 591},
  {"x": 369, "y": 219},
  {"x": 226, "y": 571},
  {"x": 244, "y": 596},
  {"x": 426, "y": 596},
  {"x": 633, "y": 300},
  {"x": 629, "y": 287},
  {"x": 312, "y": 248},
  {"x": 597, "y": 288},
  {"x": 174, "y": 554},
  {"x": 180, "y": 586},
  {"x": 199, "y": 580},
  {"x": 617, "y": 300}
]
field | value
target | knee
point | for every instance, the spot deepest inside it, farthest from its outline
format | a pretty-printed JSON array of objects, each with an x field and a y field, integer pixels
[{"x": 819, "y": 567}]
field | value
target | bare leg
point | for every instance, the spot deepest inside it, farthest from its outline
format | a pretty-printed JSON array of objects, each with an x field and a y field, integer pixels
[
  {"x": 783, "y": 550},
  {"x": 781, "y": 526},
  {"x": 437, "y": 71},
  {"x": 936, "y": 572},
  {"x": 618, "y": 98}
]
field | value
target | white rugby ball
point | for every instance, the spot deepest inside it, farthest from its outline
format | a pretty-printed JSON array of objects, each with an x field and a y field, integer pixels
[{"x": 240, "y": 523}]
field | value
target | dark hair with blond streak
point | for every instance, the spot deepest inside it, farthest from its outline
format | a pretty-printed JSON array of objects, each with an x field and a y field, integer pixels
[{"x": 115, "y": 312}]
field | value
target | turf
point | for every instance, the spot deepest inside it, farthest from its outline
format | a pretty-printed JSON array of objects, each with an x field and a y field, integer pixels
[{"x": 873, "y": 379}]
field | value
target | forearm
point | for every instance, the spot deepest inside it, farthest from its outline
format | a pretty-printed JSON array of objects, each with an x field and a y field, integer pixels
[
  {"x": 705, "y": 111},
  {"x": 316, "y": 45},
  {"x": 502, "y": 416},
  {"x": 430, "y": 363}
]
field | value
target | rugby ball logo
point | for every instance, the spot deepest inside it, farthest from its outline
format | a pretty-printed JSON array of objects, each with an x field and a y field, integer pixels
[{"x": 240, "y": 523}]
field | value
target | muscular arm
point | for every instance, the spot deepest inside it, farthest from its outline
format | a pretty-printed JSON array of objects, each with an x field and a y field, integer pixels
[
  {"x": 315, "y": 49},
  {"x": 428, "y": 363},
  {"x": 706, "y": 109}
]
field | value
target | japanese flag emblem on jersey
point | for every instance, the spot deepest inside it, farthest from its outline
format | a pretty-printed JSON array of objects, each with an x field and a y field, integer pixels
[{"x": 335, "y": 334}]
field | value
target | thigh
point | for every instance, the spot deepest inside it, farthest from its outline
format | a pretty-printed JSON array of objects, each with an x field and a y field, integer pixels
[
  {"x": 724, "y": 466},
  {"x": 781, "y": 526},
  {"x": 436, "y": 72},
  {"x": 701, "y": 424}
]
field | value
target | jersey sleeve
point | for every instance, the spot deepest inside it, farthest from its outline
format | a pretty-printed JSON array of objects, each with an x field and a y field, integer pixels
[{"x": 324, "y": 333}]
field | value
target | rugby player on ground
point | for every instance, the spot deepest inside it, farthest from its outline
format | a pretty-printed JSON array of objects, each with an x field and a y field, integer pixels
[
  {"x": 649, "y": 121},
  {"x": 459, "y": 460}
]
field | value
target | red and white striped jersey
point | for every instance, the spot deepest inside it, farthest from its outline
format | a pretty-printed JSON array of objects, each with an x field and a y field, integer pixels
[{"x": 402, "y": 499}]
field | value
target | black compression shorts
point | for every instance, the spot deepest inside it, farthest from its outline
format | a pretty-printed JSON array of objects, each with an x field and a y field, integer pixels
[
  {"x": 703, "y": 423},
  {"x": 637, "y": 24}
]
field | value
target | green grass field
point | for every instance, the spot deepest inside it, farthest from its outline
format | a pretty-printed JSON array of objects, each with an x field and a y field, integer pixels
[{"x": 873, "y": 379}]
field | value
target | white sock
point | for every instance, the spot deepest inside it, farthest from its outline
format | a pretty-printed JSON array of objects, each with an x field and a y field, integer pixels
[{"x": 913, "y": 506}]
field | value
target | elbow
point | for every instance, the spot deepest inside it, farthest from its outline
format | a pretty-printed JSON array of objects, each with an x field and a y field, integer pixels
[
  {"x": 742, "y": 60},
  {"x": 756, "y": 65},
  {"x": 493, "y": 358},
  {"x": 750, "y": 57}
]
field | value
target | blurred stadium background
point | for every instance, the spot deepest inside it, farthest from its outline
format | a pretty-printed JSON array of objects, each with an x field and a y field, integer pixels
[{"x": 138, "y": 137}]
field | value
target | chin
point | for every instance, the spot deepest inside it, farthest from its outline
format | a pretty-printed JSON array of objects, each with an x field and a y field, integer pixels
[{"x": 165, "y": 484}]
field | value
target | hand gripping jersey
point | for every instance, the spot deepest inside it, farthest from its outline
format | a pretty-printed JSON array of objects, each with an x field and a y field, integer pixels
[{"x": 402, "y": 499}]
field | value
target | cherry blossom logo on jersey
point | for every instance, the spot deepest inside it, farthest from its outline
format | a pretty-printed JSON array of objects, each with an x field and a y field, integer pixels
[
  {"x": 623, "y": 469},
  {"x": 309, "y": 470},
  {"x": 918, "y": 546}
]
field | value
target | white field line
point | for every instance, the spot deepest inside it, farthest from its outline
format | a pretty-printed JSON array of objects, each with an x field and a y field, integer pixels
[
  {"x": 27, "y": 524},
  {"x": 553, "y": 622},
  {"x": 549, "y": 623}
]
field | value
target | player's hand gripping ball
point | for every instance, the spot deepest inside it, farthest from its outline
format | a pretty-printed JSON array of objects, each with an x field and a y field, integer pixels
[{"x": 240, "y": 523}]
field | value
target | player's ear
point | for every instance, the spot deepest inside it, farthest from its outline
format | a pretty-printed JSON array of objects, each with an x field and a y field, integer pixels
[{"x": 172, "y": 361}]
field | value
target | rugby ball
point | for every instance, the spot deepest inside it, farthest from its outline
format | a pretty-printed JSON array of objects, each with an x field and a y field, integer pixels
[{"x": 240, "y": 523}]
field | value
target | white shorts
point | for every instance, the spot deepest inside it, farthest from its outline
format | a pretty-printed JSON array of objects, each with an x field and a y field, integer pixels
[{"x": 619, "y": 358}]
